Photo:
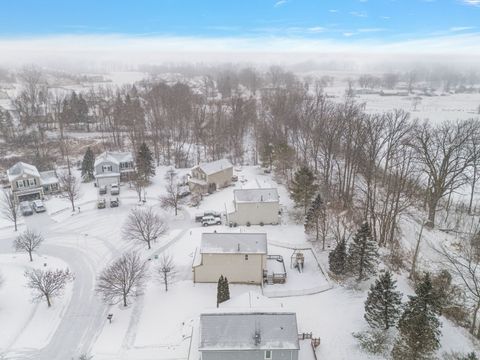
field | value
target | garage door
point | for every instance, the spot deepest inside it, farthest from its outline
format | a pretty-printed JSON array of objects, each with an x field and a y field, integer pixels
[
  {"x": 107, "y": 180},
  {"x": 29, "y": 197}
]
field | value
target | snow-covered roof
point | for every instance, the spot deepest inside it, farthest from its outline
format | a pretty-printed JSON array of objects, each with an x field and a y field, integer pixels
[
  {"x": 215, "y": 166},
  {"x": 255, "y": 195},
  {"x": 48, "y": 177},
  {"x": 233, "y": 243},
  {"x": 21, "y": 168},
  {"x": 114, "y": 157},
  {"x": 248, "y": 331}
]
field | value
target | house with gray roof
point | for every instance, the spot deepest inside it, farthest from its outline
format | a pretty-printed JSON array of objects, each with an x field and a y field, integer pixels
[
  {"x": 255, "y": 207},
  {"x": 249, "y": 335},
  {"x": 112, "y": 167},
  {"x": 207, "y": 177},
  {"x": 241, "y": 257},
  {"x": 27, "y": 183}
]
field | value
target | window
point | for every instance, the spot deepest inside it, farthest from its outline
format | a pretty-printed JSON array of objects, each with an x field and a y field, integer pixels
[
  {"x": 106, "y": 168},
  {"x": 20, "y": 184},
  {"x": 31, "y": 182},
  {"x": 268, "y": 354},
  {"x": 246, "y": 256}
]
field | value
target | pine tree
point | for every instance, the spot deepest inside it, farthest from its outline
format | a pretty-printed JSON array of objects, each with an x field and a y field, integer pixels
[
  {"x": 337, "y": 259},
  {"x": 220, "y": 290},
  {"x": 315, "y": 219},
  {"x": 362, "y": 254},
  {"x": 226, "y": 289},
  {"x": 145, "y": 163},
  {"x": 303, "y": 188},
  {"x": 419, "y": 327},
  {"x": 88, "y": 165},
  {"x": 382, "y": 308}
]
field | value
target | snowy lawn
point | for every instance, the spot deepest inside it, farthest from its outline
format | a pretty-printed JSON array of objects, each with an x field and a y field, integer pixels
[{"x": 27, "y": 324}]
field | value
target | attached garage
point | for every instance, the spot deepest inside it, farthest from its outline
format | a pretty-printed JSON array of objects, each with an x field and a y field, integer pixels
[
  {"x": 30, "y": 196},
  {"x": 107, "y": 179}
]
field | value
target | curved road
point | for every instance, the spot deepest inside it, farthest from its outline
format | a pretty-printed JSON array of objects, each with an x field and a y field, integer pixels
[{"x": 85, "y": 314}]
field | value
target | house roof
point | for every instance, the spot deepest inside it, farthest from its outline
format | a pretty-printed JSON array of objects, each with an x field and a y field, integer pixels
[
  {"x": 214, "y": 166},
  {"x": 233, "y": 243},
  {"x": 21, "y": 168},
  {"x": 238, "y": 330},
  {"x": 255, "y": 195},
  {"x": 114, "y": 157},
  {"x": 48, "y": 177}
]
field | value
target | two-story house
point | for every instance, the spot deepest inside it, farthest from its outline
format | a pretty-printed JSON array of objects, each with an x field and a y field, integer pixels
[
  {"x": 255, "y": 207},
  {"x": 27, "y": 183},
  {"x": 249, "y": 336},
  {"x": 208, "y": 177},
  {"x": 241, "y": 257},
  {"x": 113, "y": 167}
]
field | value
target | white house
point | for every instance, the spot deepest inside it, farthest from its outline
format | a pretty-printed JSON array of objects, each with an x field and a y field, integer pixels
[
  {"x": 211, "y": 176},
  {"x": 252, "y": 335},
  {"x": 241, "y": 257},
  {"x": 27, "y": 183},
  {"x": 255, "y": 206},
  {"x": 113, "y": 167}
]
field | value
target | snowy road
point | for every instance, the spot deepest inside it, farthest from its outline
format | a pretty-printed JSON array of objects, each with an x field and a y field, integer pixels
[{"x": 85, "y": 315}]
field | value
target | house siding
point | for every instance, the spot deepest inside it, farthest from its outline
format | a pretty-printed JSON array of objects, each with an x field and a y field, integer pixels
[
  {"x": 255, "y": 213},
  {"x": 233, "y": 266},
  {"x": 248, "y": 355},
  {"x": 222, "y": 178}
]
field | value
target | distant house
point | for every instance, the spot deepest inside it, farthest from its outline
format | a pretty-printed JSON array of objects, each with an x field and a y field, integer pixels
[
  {"x": 241, "y": 257},
  {"x": 255, "y": 206},
  {"x": 211, "y": 176},
  {"x": 249, "y": 335},
  {"x": 113, "y": 167},
  {"x": 27, "y": 183}
]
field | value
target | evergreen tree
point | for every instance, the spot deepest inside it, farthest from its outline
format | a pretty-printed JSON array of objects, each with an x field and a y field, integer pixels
[
  {"x": 223, "y": 290},
  {"x": 362, "y": 254},
  {"x": 145, "y": 163},
  {"x": 88, "y": 165},
  {"x": 337, "y": 259},
  {"x": 382, "y": 308},
  {"x": 303, "y": 188},
  {"x": 419, "y": 327},
  {"x": 315, "y": 219}
]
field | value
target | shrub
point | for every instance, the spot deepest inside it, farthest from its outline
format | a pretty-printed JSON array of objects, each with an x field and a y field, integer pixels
[{"x": 374, "y": 341}]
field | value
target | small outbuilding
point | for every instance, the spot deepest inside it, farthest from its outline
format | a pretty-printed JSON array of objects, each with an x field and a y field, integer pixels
[
  {"x": 255, "y": 207},
  {"x": 241, "y": 257}
]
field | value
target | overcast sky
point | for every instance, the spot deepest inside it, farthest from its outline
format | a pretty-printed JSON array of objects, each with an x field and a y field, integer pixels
[{"x": 149, "y": 29}]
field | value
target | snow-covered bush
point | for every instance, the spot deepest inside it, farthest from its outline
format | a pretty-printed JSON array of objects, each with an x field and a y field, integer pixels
[{"x": 375, "y": 341}]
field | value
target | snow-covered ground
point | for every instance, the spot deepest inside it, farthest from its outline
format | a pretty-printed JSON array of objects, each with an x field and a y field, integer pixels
[{"x": 160, "y": 324}]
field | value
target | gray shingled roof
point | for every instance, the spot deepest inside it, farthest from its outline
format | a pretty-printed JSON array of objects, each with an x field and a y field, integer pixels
[
  {"x": 236, "y": 331},
  {"x": 21, "y": 168},
  {"x": 233, "y": 243},
  {"x": 116, "y": 157},
  {"x": 256, "y": 195}
]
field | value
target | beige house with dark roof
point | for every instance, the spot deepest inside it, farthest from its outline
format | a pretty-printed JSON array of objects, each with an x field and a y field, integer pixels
[{"x": 211, "y": 176}]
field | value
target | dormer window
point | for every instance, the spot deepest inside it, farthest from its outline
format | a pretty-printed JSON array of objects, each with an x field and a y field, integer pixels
[
  {"x": 31, "y": 182},
  {"x": 106, "y": 168}
]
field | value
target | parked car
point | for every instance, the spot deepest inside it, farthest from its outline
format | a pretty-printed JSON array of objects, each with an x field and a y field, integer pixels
[
  {"x": 211, "y": 220},
  {"x": 183, "y": 191},
  {"x": 101, "y": 204},
  {"x": 114, "y": 202},
  {"x": 114, "y": 189},
  {"x": 25, "y": 208},
  {"x": 102, "y": 190},
  {"x": 267, "y": 171},
  {"x": 38, "y": 206},
  {"x": 199, "y": 217},
  {"x": 212, "y": 213},
  {"x": 235, "y": 178}
]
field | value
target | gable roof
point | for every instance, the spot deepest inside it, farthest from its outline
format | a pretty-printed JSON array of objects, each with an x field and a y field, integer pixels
[
  {"x": 214, "y": 166},
  {"x": 114, "y": 157},
  {"x": 233, "y": 243},
  {"x": 21, "y": 168},
  {"x": 236, "y": 331},
  {"x": 255, "y": 195},
  {"x": 48, "y": 177}
]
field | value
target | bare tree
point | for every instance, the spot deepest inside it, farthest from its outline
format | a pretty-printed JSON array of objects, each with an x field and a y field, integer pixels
[
  {"x": 9, "y": 208},
  {"x": 124, "y": 277},
  {"x": 172, "y": 199},
  {"x": 28, "y": 241},
  {"x": 47, "y": 283},
  {"x": 69, "y": 188},
  {"x": 166, "y": 270},
  {"x": 144, "y": 225},
  {"x": 138, "y": 184}
]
